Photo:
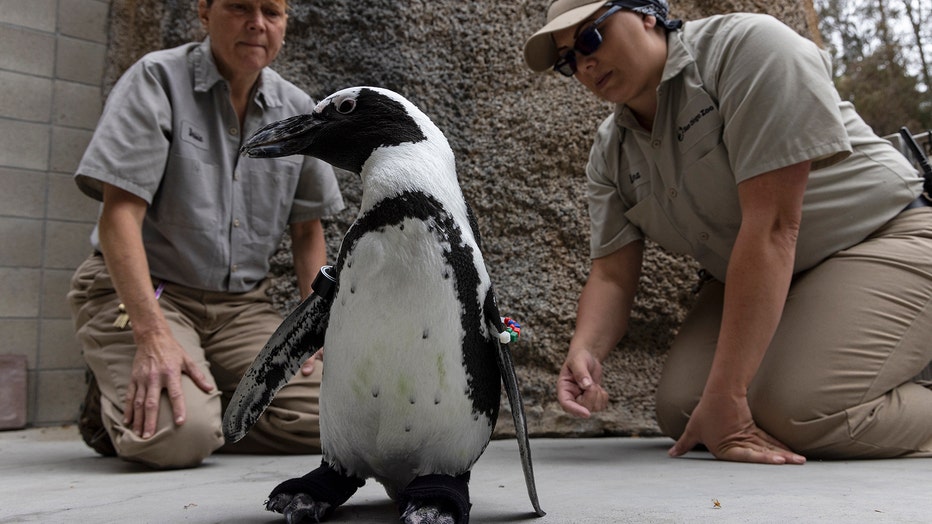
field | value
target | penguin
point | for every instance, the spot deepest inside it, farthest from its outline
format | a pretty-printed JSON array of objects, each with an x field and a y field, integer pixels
[{"x": 416, "y": 351}]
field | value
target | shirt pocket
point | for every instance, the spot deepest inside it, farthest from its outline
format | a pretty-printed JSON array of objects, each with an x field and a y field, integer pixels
[
  {"x": 190, "y": 195},
  {"x": 650, "y": 217},
  {"x": 699, "y": 128},
  {"x": 709, "y": 184},
  {"x": 271, "y": 186}
]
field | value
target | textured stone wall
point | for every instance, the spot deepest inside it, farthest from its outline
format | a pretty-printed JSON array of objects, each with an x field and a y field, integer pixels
[{"x": 521, "y": 142}]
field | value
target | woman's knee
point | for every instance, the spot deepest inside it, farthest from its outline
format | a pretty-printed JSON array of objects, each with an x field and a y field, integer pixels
[
  {"x": 788, "y": 414},
  {"x": 688, "y": 361},
  {"x": 174, "y": 446},
  {"x": 672, "y": 406}
]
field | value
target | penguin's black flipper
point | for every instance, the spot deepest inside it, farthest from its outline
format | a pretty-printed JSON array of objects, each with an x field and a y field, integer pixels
[
  {"x": 296, "y": 339},
  {"x": 507, "y": 368}
]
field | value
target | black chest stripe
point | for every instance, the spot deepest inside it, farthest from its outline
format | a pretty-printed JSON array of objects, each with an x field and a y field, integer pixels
[{"x": 478, "y": 352}]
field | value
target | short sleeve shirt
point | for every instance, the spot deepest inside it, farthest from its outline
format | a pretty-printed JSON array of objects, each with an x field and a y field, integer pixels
[
  {"x": 741, "y": 95},
  {"x": 169, "y": 134}
]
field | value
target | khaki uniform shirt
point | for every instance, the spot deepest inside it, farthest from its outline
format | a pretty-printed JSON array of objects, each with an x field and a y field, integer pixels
[
  {"x": 169, "y": 135},
  {"x": 741, "y": 95}
]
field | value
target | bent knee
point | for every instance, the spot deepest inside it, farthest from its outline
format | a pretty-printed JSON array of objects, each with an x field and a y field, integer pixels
[
  {"x": 791, "y": 416},
  {"x": 673, "y": 407},
  {"x": 172, "y": 447}
]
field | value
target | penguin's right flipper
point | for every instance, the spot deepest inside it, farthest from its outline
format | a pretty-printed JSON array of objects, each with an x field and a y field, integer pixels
[
  {"x": 314, "y": 495},
  {"x": 296, "y": 339},
  {"x": 507, "y": 368}
]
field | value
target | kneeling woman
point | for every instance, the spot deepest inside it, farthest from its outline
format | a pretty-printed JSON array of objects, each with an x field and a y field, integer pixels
[{"x": 729, "y": 143}]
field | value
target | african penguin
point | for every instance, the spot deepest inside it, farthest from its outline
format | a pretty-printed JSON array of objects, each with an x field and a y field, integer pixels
[{"x": 415, "y": 352}]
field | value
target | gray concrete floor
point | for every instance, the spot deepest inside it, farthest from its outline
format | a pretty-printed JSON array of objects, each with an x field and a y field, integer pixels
[{"x": 48, "y": 475}]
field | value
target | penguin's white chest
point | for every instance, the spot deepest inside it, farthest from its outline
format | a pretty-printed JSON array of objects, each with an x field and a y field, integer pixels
[{"x": 394, "y": 400}]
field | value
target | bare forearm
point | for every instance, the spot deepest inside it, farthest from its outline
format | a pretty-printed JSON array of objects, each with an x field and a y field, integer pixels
[
  {"x": 606, "y": 300},
  {"x": 758, "y": 279},
  {"x": 309, "y": 251},
  {"x": 759, "y": 273},
  {"x": 121, "y": 242},
  {"x": 599, "y": 326}
]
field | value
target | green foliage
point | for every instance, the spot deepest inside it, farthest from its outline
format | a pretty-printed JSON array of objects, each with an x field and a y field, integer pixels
[
  {"x": 884, "y": 93},
  {"x": 879, "y": 64}
]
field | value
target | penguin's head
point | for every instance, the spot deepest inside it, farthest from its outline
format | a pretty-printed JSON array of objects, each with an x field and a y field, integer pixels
[{"x": 344, "y": 129}]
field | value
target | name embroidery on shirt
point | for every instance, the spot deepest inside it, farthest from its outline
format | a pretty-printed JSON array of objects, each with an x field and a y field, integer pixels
[
  {"x": 192, "y": 136},
  {"x": 681, "y": 131}
]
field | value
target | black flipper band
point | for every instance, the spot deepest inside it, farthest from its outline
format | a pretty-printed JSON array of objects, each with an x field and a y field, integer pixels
[
  {"x": 324, "y": 484},
  {"x": 431, "y": 488}
]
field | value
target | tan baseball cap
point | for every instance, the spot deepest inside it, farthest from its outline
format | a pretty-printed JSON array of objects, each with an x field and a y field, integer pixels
[{"x": 540, "y": 51}]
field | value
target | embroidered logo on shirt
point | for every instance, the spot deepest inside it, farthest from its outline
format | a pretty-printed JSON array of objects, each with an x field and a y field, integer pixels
[
  {"x": 192, "y": 135},
  {"x": 634, "y": 177},
  {"x": 681, "y": 131}
]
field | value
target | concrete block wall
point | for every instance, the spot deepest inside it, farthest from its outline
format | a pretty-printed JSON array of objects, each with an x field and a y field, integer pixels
[{"x": 52, "y": 57}]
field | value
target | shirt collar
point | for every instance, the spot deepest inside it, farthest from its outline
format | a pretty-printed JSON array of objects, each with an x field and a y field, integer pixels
[
  {"x": 678, "y": 56},
  {"x": 206, "y": 76}
]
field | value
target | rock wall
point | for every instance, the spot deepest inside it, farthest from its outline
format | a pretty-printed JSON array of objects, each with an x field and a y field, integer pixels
[{"x": 521, "y": 142}]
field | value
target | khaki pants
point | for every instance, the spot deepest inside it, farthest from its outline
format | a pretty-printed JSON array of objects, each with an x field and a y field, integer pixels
[
  {"x": 222, "y": 332},
  {"x": 838, "y": 380}
]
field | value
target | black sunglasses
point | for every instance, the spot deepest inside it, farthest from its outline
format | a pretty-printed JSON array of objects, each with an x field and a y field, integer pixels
[{"x": 586, "y": 43}]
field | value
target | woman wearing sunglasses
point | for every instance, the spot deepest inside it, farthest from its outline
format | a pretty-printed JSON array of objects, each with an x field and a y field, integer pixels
[{"x": 729, "y": 143}]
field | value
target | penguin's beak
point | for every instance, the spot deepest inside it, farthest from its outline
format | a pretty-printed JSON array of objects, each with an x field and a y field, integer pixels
[{"x": 285, "y": 137}]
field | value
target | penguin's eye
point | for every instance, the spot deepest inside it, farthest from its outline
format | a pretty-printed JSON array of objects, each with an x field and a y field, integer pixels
[{"x": 346, "y": 106}]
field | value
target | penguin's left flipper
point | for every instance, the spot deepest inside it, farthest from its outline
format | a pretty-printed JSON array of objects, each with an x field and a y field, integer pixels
[
  {"x": 313, "y": 496},
  {"x": 507, "y": 368},
  {"x": 296, "y": 339}
]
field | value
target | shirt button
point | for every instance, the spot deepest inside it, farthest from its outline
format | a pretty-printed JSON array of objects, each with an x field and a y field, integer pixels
[
  {"x": 236, "y": 175},
  {"x": 704, "y": 236},
  {"x": 234, "y": 131},
  {"x": 235, "y": 222},
  {"x": 656, "y": 144},
  {"x": 234, "y": 267},
  {"x": 671, "y": 192}
]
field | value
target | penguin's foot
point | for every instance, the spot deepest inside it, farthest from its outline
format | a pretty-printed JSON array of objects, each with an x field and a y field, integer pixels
[
  {"x": 298, "y": 508},
  {"x": 313, "y": 496},
  {"x": 436, "y": 499},
  {"x": 427, "y": 514}
]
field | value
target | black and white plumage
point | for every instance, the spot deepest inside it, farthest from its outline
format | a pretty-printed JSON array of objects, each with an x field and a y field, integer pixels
[{"x": 414, "y": 359}]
